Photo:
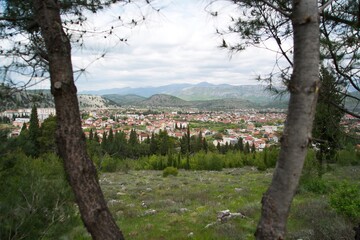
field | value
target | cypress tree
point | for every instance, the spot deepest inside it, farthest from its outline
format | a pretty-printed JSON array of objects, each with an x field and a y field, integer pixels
[
  {"x": 188, "y": 139},
  {"x": 218, "y": 147},
  {"x": 104, "y": 141},
  {"x": 23, "y": 128},
  {"x": 133, "y": 139},
  {"x": 111, "y": 136},
  {"x": 205, "y": 145},
  {"x": 179, "y": 160},
  {"x": 247, "y": 148},
  {"x": 153, "y": 144},
  {"x": 96, "y": 137},
  {"x": 91, "y": 135},
  {"x": 34, "y": 131},
  {"x": 253, "y": 148}
]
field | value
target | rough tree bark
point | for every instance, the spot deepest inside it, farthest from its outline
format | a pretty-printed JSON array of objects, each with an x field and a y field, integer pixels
[
  {"x": 70, "y": 139},
  {"x": 303, "y": 87}
]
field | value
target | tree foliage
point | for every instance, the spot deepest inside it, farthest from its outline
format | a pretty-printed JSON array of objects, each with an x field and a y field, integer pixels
[
  {"x": 36, "y": 201},
  {"x": 268, "y": 23},
  {"x": 327, "y": 132}
]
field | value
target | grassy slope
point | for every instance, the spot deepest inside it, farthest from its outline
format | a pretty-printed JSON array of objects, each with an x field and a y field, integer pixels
[{"x": 186, "y": 204}]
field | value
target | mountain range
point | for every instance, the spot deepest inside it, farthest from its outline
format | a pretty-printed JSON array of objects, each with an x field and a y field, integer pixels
[
  {"x": 256, "y": 94},
  {"x": 202, "y": 96}
]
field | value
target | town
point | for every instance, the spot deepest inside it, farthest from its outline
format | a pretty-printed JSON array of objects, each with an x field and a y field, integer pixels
[{"x": 259, "y": 128}]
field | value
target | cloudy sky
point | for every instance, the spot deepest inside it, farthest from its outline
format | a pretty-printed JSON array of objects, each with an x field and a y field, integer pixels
[{"x": 179, "y": 44}]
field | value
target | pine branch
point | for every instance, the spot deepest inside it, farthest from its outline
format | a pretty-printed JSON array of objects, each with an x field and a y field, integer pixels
[
  {"x": 282, "y": 11},
  {"x": 322, "y": 8}
]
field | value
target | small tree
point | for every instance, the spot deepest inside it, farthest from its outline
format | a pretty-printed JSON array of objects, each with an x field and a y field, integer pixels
[
  {"x": 327, "y": 130},
  {"x": 34, "y": 132}
]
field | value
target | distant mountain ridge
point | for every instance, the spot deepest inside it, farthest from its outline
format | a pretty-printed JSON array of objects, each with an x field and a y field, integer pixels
[
  {"x": 164, "y": 100},
  {"x": 202, "y": 96},
  {"x": 202, "y": 91}
]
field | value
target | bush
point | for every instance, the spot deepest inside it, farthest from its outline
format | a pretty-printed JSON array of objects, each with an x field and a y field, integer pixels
[
  {"x": 314, "y": 220},
  {"x": 346, "y": 200},
  {"x": 170, "y": 171},
  {"x": 108, "y": 164},
  {"x": 348, "y": 156},
  {"x": 314, "y": 184},
  {"x": 36, "y": 201}
]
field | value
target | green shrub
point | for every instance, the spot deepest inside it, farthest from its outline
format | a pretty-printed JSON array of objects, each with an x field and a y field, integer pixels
[
  {"x": 170, "y": 171},
  {"x": 108, "y": 164},
  {"x": 157, "y": 162},
  {"x": 215, "y": 162},
  {"x": 346, "y": 200},
  {"x": 36, "y": 201},
  {"x": 314, "y": 220},
  {"x": 314, "y": 184},
  {"x": 348, "y": 156}
]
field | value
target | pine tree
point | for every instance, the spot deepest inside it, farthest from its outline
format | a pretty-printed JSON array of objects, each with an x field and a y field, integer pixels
[{"x": 327, "y": 131}]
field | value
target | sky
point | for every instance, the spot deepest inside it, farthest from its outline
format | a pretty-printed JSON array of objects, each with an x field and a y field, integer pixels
[{"x": 178, "y": 44}]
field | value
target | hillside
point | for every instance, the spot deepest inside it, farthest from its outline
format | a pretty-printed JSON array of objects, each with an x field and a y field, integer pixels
[
  {"x": 44, "y": 99},
  {"x": 93, "y": 101},
  {"x": 25, "y": 99},
  {"x": 129, "y": 99},
  {"x": 224, "y": 104},
  {"x": 164, "y": 100}
]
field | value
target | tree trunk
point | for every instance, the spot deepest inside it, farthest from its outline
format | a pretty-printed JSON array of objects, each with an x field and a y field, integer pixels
[
  {"x": 70, "y": 139},
  {"x": 303, "y": 87}
]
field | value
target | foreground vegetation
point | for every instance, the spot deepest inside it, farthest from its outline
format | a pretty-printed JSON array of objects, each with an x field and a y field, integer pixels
[
  {"x": 178, "y": 193},
  {"x": 149, "y": 206}
]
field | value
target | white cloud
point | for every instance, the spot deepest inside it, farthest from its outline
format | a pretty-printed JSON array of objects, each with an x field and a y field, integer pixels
[{"x": 178, "y": 45}]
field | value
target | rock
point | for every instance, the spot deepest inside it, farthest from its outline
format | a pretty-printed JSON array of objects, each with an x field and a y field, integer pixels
[
  {"x": 143, "y": 204},
  {"x": 183, "y": 210},
  {"x": 131, "y": 205},
  {"x": 210, "y": 224},
  {"x": 237, "y": 215},
  {"x": 150, "y": 212},
  {"x": 238, "y": 189},
  {"x": 225, "y": 215},
  {"x": 113, "y": 201},
  {"x": 191, "y": 234}
]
